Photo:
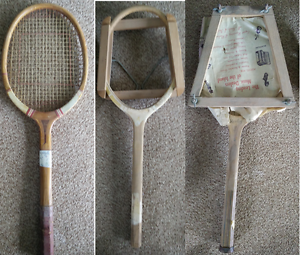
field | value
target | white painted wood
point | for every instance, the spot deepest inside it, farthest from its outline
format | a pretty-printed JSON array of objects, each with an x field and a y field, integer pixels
[
  {"x": 242, "y": 11},
  {"x": 235, "y": 127},
  {"x": 133, "y": 24},
  {"x": 278, "y": 56},
  {"x": 241, "y": 102},
  {"x": 208, "y": 46},
  {"x": 277, "y": 52}
]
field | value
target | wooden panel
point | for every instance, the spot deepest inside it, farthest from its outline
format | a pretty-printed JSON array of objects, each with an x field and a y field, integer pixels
[
  {"x": 242, "y": 11},
  {"x": 175, "y": 54},
  {"x": 208, "y": 46},
  {"x": 103, "y": 57},
  {"x": 133, "y": 24},
  {"x": 241, "y": 102},
  {"x": 109, "y": 58},
  {"x": 278, "y": 56}
]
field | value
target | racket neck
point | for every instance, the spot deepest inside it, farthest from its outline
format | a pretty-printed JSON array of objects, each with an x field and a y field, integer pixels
[
  {"x": 45, "y": 122},
  {"x": 45, "y": 133}
]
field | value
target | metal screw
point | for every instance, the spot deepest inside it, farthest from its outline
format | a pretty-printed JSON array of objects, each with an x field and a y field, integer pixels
[
  {"x": 194, "y": 100},
  {"x": 266, "y": 9},
  {"x": 287, "y": 101},
  {"x": 219, "y": 9}
]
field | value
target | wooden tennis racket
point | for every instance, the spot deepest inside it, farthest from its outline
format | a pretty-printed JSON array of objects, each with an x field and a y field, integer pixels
[
  {"x": 139, "y": 117},
  {"x": 44, "y": 67}
]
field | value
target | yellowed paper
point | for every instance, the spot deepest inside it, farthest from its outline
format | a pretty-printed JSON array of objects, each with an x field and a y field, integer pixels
[{"x": 241, "y": 65}]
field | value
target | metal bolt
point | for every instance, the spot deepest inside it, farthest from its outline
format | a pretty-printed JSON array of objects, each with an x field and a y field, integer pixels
[
  {"x": 219, "y": 9},
  {"x": 287, "y": 101},
  {"x": 266, "y": 9},
  {"x": 194, "y": 100}
]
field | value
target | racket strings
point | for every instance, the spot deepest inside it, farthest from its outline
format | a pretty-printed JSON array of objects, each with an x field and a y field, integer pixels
[{"x": 45, "y": 60}]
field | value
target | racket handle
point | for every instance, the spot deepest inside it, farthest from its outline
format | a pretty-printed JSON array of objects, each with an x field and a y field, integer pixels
[
  {"x": 227, "y": 236},
  {"x": 46, "y": 201},
  {"x": 47, "y": 227},
  {"x": 137, "y": 185}
]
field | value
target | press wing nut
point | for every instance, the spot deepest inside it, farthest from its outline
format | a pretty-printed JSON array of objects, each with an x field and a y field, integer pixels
[
  {"x": 219, "y": 9},
  {"x": 194, "y": 100}
]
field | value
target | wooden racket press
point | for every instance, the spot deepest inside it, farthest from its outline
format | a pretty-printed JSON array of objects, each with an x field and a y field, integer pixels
[
  {"x": 139, "y": 117},
  {"x": 235, "y": 122}
]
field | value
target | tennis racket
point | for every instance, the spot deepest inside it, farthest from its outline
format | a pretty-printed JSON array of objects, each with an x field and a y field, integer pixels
[
  {"x": 139, "y": 117},
  {"x": 44, "y": 67}
]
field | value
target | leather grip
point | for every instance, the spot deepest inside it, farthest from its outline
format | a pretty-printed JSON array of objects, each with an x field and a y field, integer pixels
[{"x": 47, "y": 228}]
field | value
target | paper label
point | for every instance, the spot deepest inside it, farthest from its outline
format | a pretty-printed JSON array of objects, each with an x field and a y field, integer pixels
[
  {"x": 241, "y": 63},
  {"x": 45, "y": 159},
  {"x": 136, "y": 209}
]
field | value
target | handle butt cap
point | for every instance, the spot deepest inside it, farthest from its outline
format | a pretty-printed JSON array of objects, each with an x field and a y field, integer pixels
[{"x": 226, "y": 249}]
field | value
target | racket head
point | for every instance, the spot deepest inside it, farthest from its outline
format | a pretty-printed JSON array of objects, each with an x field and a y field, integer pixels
[{"x": 33, "y": 75}]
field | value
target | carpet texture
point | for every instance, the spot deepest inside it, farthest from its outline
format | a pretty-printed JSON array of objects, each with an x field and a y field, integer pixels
[
  {"x": 185, "y": 153},
  {"x": 164, "y": 144},
  {"x": 267, "y": 215},
  {"x": 72, "y": 160}
]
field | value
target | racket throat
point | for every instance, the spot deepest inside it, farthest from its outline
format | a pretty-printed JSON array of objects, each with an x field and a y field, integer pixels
[
  {"x": 45, "y": 122},
  {"x": 45, "y": 125}
]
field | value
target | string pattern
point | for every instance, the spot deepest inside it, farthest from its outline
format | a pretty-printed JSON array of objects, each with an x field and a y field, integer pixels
[{"x": 45, "y": 60}]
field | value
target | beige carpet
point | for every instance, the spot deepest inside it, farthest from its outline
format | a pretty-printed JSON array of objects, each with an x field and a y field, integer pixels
[
  {"x": 185, "y": 154},
  {"x": 267, "y": 215},
  {"x": 73, "y": 160},
  {"x": 164, "y": 144}
]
